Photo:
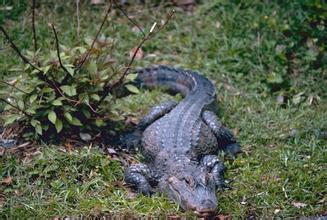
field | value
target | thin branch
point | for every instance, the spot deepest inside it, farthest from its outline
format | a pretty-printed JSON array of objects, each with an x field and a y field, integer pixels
[
  {"x": 77, "y": 15},
  {"x": 15, "y": 48},
  {"x": 21, "y": 110},
  {"x": 108, "y": 87},
  {"x": 40, "y": 75},
  {"x": 8, "y": 84},
  {"x": 86, "y": 56},
  {"x": 33, "y": 24},
  {"x": 58, "y": 50},
  {"x": 131, "y": 20}
]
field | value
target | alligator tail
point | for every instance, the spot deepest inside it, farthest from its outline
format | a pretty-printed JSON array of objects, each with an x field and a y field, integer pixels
[{"x": 170, "y": 79}]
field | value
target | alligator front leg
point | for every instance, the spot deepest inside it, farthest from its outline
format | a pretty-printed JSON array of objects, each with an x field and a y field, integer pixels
[
  {"x": 139, "y": 177},
  {"x": 132, "y": 140},
  {"x": 225, "y": 137},
  {"x": 216, "y": 168}
]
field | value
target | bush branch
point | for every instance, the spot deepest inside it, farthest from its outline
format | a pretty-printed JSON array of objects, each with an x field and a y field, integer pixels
[
  {"x": 15, "y": 48},
  {"x": 15, "y": 107},
  {"x": 108, "y": 87},
  {"x": 131, "y": 20},
  {"x": 40, "y": 74},
  {"x": 86, "y": 56},
  {"x": 58, "y": 50},
  {"x": 8, "y": 84},
  {"x": 33, "y": 24}
]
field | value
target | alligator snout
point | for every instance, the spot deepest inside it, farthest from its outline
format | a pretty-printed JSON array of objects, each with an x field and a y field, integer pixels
[{"x": 206, "y": 208}]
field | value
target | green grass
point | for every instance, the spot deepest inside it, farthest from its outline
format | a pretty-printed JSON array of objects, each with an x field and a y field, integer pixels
[{"x": 254, "y": 52}]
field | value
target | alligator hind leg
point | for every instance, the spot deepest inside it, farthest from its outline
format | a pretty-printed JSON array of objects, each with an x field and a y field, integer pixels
[
  {"x": 216, "y": 168},
  {"x": 155, "y": 113},
  {"x": 133, "y": 140},
  {"x": 225, "y": 137},
  {"x": 139, "y": 177}
]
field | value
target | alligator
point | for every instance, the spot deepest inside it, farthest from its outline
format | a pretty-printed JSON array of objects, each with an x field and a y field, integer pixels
[{"x": 180, "y": 141}]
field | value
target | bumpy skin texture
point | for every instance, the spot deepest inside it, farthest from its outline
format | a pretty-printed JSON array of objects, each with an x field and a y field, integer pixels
[{"x": 180, "y": 141}]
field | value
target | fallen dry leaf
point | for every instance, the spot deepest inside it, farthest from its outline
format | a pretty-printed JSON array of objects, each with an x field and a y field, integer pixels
[
  {"x": 299, "y": 204},
  {"x": 218, "y": 24},
  {"x": 276, "y": 211},
  {"x": 2, "y": 151},
  {"x": 131, "y": 195},
  {"x": 96, "y": 2},
  {"x": 139, "y": 54},
  {"x": 132, "y": 120},
  {"x": 2, "y": 200},
  {"x": 7, "y": 180}
]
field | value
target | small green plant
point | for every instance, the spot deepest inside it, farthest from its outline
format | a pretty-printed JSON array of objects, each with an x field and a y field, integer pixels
[
  {"x": 62, "y": 91},
  {"x": 54, "y": 97}
]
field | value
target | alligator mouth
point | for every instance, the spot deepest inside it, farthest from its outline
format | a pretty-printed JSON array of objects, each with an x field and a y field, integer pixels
[{"x": 205, "y": 213}]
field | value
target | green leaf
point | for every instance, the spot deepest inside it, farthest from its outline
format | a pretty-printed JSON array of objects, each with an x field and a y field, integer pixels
[
  {"x": 92, "y": 67},
  {"x": 132, "y": 88},
  {"x": 76, "y": 122},
  {"x": 131, "y": 77},
  {"x": 70, "y": 70},
  {"x": 56, "y": 102},
  {"x": 31, "y": 111},
  {"x": 35, "y": 71},
  {"x": 10, "y": 120},
  {"x": 52, "y": 117},
  {"x": 69, "y": 90},
  {"x": 46, "y": 69},
  {"x": 38, "y": 129},
  {"x": 95, "y": 97},
  {"x": 68, "y": 116},
  {"x": 81, "y": 49},
  {"x": 33, "y": 98},
  {"x": 99, "y": 122},
  {"x": 58, "y": 125},
  {"x": 86, "y": 113},
  {"x": 47, "y": 90},
  {"x": 34, "y": 122},
  {"x": 20, "y": 104},
  {"x": 45, "y": 127}
]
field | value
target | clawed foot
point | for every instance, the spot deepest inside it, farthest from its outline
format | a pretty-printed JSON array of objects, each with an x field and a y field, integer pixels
[
  {"x": 138, "y": 176},
  {"x": 217, "y": 169},
  {"x": 233, "y": 150}
]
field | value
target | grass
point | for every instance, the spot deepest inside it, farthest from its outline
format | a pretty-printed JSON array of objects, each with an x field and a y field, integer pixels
[{"x": 255, "y": 52}]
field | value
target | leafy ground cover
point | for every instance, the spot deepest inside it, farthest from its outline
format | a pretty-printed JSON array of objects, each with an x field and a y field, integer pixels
[{"x": 268, "y": 61}]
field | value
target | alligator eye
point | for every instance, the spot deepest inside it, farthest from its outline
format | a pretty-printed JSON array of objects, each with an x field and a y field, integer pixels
[{"x": 189, "y": 181}]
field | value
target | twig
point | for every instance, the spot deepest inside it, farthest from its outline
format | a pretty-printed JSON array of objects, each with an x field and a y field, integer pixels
[
  {"x": 86, "y": 56},
  {"x": 33, "y": 24},
  {"x": 16, "y": 107},
  {"x": 15, "y": 48},
  {"x": 8, "y": 84},
  {"x": 58, "y": 50},
  {"x": 77, "y": 15},
  {"x": 131, "y": 20},
  {"x": 109, "y": 87},
  {"x": 40, "y": 75}
]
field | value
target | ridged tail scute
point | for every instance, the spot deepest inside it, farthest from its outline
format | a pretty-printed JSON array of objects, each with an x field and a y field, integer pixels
[{"x": 170, "y": 79}]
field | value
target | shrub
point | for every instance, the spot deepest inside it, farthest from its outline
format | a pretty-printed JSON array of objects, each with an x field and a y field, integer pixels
[{"x": 62, "y": 91}]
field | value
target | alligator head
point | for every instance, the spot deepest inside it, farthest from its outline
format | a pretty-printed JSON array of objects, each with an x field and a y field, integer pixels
[{"x": 193, "y": 189}]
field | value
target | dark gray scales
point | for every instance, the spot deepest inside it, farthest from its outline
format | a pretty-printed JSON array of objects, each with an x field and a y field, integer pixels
[{"x": 180, "y": 142}]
